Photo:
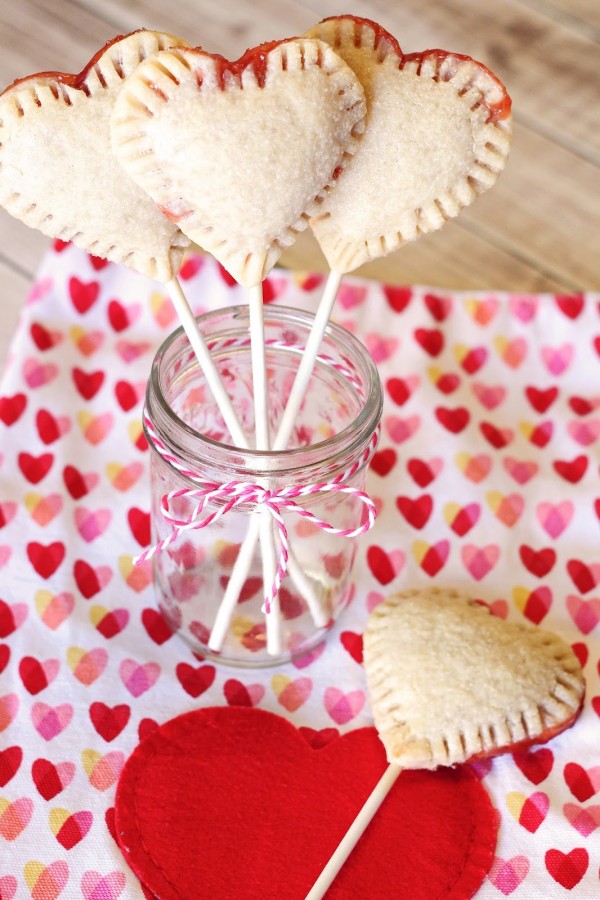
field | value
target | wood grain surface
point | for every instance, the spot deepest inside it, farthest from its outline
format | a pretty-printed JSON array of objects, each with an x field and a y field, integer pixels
[{"x": 537, "y": 230}]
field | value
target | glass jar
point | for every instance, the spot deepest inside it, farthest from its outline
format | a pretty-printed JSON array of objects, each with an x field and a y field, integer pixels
[{"x": 208, "y": 580}]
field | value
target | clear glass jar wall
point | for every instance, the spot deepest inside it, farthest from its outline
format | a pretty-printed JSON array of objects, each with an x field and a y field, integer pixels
[{"x": 332, "y": 434}]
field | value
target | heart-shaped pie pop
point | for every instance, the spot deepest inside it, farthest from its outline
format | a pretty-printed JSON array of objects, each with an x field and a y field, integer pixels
[
  {"x": 437, "y": 135},
  {"x": 449, "y": 682},
  {"x": 240, "y": 154},
  {"x": 57, "y": 170}
]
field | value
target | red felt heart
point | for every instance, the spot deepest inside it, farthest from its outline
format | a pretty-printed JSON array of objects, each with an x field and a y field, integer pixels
[{"x": 236, "y": 799}]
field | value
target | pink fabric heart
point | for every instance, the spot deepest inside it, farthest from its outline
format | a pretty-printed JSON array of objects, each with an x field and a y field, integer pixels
[
  {"x": 9, "y": 706},
  {"x": 585, "y": 821},
  {"x": 480, "y": 560},
  {"x": 558, "y": 359},
  {"x": 555, "y": 517},
  {"x": 138, "y": 678},
  {"x": 381, "y": 348},
  {"x": 95, "y": 886},
  {"x": 507, "y": 874},
  {"x": 401, "y": 430},
  {"x": 585, "y": 613},
  {"x": 343, "y": 707},
  {"x": 37, "y": 374},
  {"x": 91, "y": 524},
  {"x": 50, "y": 721}
]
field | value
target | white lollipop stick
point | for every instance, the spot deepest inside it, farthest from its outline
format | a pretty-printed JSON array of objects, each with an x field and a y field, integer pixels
[
  {"x": 305, "y": 587},
  {"x": 213, "y": 379},
  {"x": 243, "y": 562},
  {"x": 307, "y": 363},
  {"x": 239, "y": 573},
  {"x": 259, "y": 368},
  {"x": 354, "y": 833},
  {"x": 194, "y": 335},
  {"x": 206, "y": 362},
  {"x": 263, "y": 442}
]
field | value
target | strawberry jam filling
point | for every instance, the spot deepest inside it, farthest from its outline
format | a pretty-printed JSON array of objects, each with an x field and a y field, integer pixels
[
  {"x": 542, "y": 738},
  {"x": 75, "y": 81},
  {"x": 384, "y": 41}
]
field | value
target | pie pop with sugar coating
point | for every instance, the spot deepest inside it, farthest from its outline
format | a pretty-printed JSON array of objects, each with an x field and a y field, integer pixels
[
  {"x": 57, "y": 170},
  {"x": 437, "y": 135},
  {"x": 449, "y": 682},
  {"x": 240, "y": 154}
]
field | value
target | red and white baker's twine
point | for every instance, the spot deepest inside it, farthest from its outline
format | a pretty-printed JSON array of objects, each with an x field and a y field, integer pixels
[
  {"x": 345, "y": 367},
  {"x": 237, "y": 493}
]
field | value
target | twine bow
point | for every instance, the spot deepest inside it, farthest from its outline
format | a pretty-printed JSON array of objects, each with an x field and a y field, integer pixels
[
  {"x": 238, "y": 493},
  {"x": 256, "y": 496}
]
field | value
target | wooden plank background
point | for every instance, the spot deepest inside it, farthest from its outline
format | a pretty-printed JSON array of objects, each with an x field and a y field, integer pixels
[{"x": 537, "y": 230}]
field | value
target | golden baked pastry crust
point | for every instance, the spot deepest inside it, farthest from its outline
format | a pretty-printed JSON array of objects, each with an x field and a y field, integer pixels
[
  {"x": 240, "y": 154},
  {"x": 449, "y": 682},
  {"x": 57, "y": 170},
  {"x": 437, "y": 135}
]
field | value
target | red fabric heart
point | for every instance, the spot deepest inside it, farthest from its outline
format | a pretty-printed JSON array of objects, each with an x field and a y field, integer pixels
[
  {"x": 12, "y": 408},
  {"x": 236, "y": 800},
  {"x": 454, "y": 420},
  {"x": 397, "y": 297},
  {"x": 416, "y": 511},
  {"x": 83, "y": 295}
]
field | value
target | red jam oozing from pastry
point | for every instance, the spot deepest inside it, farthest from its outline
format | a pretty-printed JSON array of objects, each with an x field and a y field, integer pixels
[
  {"x": 255, "y": 58},
  {"x": 75, "y": 81},
  {"x": 542, "y": 738},
  {"x": 384, "y": 41}
]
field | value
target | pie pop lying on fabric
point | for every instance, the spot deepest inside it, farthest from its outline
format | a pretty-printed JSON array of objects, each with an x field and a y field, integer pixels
[
  {"x": 449, "y": 682},
  {"x": 437, "y": 135},
  {"x": 57, "y": 170},
  {"x": 240, "y": 154}
]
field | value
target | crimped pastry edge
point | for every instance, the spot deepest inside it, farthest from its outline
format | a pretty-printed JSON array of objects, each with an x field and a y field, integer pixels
[
  {"x": 120, "y": 58},
  {"x": 163, "y": 71},
  {"x": 403, "y": 748},
  {"x": 467, "y": 76}
]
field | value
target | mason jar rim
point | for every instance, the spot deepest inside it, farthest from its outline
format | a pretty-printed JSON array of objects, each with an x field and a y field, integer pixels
[{"x": 265, "y": 462}]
